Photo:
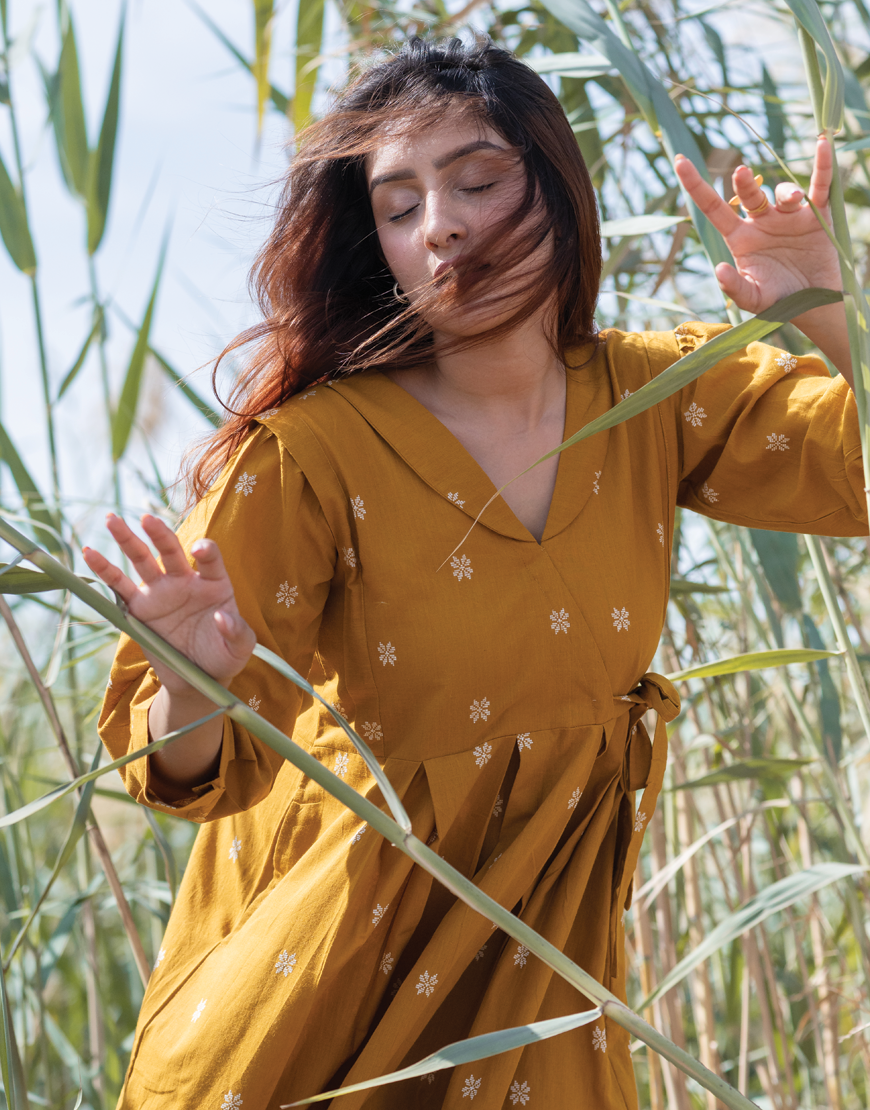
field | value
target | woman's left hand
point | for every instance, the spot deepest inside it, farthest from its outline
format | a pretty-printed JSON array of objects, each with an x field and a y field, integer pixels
[{"x": 782, "y": 248}]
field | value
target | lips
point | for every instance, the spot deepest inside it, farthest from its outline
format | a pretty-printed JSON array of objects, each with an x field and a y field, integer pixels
[{"x": 442, "y": 268}]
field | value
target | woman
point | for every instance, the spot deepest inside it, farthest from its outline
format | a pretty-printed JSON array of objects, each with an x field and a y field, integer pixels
[{"x": 428, "y": 295}]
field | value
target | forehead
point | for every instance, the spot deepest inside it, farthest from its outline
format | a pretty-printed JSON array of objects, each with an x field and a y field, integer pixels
[{"x": 408, "y": 145}]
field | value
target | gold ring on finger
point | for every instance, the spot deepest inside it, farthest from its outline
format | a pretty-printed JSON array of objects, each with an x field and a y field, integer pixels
[{"x": 765, "y": 204}]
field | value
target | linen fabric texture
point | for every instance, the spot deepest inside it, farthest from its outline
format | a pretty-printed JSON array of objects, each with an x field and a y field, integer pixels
[{"x": 502, "y": 692}]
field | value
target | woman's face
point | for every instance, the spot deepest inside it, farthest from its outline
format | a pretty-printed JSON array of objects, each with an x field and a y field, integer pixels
[{"x": 434, "y": 194}]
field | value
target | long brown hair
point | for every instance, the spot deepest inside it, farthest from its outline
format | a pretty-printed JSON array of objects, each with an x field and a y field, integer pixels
[{"x": 323, "y": 287}]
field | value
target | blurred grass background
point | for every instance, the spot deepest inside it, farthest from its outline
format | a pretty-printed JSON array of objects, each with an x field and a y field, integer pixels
[{"x": 135, "y": 142}]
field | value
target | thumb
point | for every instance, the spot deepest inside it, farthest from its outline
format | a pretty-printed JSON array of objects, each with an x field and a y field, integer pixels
[
  {"x": 734, "y": 285},
  {"x": 237, "y": 634}
]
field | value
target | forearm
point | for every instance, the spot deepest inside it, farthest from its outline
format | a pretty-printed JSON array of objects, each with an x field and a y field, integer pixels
[
  {"x": 192, "y": 759},
  {"x": 826, "y": 328}
]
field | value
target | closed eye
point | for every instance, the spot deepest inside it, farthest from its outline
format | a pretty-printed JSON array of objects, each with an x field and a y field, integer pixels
[
  {"x": 402, "y": 215},
  {"x": 478, "y": 188}
]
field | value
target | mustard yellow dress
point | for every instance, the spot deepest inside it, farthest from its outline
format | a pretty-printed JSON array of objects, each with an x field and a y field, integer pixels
[{"x": 499, "y": 692}]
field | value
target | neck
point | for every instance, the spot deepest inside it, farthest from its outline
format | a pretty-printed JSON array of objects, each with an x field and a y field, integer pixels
[{"x": 515, "y": 378}]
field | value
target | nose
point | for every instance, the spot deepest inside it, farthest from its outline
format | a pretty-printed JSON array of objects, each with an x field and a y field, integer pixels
[{"x": 444, "y": 227}]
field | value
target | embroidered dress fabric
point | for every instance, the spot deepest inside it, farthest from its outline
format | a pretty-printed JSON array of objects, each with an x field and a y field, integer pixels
[{"x": 503, "y": 695}]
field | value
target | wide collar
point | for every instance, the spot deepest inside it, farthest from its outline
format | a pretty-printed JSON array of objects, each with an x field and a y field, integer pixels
[{"x": 440, "y": 460}]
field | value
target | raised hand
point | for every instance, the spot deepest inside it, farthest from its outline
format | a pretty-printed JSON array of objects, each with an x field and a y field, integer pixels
[
  {"x": 779, "y": 249},
  {"x": 194, "y": 610}
]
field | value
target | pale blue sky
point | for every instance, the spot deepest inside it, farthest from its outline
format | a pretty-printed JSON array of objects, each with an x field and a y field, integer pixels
[{"x": 186, "y": 154}]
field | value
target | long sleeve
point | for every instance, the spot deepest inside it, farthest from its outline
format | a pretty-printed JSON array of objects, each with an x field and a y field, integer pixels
[
  {"x": 766, "y": 439},
  {"x": 280, "y": 555}
]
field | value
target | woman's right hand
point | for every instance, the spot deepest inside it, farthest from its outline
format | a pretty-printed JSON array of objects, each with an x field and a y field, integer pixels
[{"x": 194, "y": 610}]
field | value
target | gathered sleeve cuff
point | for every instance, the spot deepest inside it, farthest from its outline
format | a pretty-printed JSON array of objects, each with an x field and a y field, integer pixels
[{"x": 769, "y": 440}]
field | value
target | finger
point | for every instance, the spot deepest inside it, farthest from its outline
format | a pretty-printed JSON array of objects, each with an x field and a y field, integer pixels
[
  {"x": 748, "y": 189},
  {"x": 238, "y": 635},
  {"x": 136, "y": 550},
  {"x": 168, "y": 545},
  {"x": 788, "y": 196},
  {"x": 823, "y": 174},
  {"x": 720, "y": 214},
  {"x": 107, "y": 572},
  {"x": 734, "y": 285},
  {"x": 209, "y": 561}
]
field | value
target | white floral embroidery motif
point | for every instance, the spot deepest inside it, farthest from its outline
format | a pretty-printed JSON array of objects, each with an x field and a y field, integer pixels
[
  {"x": 479, "y": 710},
  {"x": 199, "y": 1009},
  {"x": 520, "y": 1093},
  {"x": 497, "y": 808},
  {"x": 478, "y": 955},
  {"x": 786, "y": 362},
  {"x": 246, "y": 483},
  {"x": 427, "y": 983},
  {"x": 311, "y": 394},
  {"x": 349, "y": 556},
  {"x": 599, "y": 1039},
  {"x": 495, "y": 861},
  {"x": 595, "y": 488},
  {"x": 472, "y": 1086},
  {"x": 235, "y": 848},
  {"x": 626, "y": 395},
  {"x": 461, "y": 567},
  {"x": 357, "y": 836},
  {"x": 429, "y": 1077},
  {"x": 559, "y": 621},
  {"x": 524, "y": 740},
  {"x": 359, "y": 509},
  {"x": 387, "y": 654},
  {"x": 285, "y": 963},
  {"x": 709, "y": 495},
  {"x": 682, "y": 329},
  {"x": 339, "y": 708},
  {"x": 454, "y": 497},
  {"x": 160, "y": 956},
  {"x": 269, "y": 412},
  {"x": 639, "y": 821},
  {"x": 287, "y": 594},
  {"x": 521, "y": 956},
  {"x": 254, "y": 703},
  {"x": 575, "y": 798},
  {"x": 482, "y": 754},
  {"x": 695, "y": 415},
  {"x": 660, "y": 532},
  {"x": 372, "y": 731},
  {"x": 231, "y": 1101},
  {"x": 378, "y": 913},
  {"x": 777, "y": 442},
  {"x": 387, "y": 961},
  {"x": 340, "y": 767},
  {"x": 620, "y": 619}
]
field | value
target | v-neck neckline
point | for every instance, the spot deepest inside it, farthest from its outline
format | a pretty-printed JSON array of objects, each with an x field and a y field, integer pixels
[{"x": 439, "y": 458}]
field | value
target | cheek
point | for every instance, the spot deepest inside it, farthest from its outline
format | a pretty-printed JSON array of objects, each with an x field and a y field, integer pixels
[{"x": 400, "y": 249}]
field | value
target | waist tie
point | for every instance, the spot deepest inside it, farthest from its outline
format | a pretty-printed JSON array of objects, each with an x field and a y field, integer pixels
[{"x": 644, "y": 763}]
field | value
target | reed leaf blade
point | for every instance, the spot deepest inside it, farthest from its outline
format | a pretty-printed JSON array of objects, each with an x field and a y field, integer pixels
[
  {"x": 125, "y": 414},
  {"x": 753, "y": 661},
  {"x": 467, "y": 1052},
  {"x": 102, "y": 160},
  {"x": 14, "y": 226},
  {"x": 778, "y": 896}
]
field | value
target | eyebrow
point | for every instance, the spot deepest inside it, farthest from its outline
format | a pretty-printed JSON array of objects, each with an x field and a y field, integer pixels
[{"x": 438, "y": 163}]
